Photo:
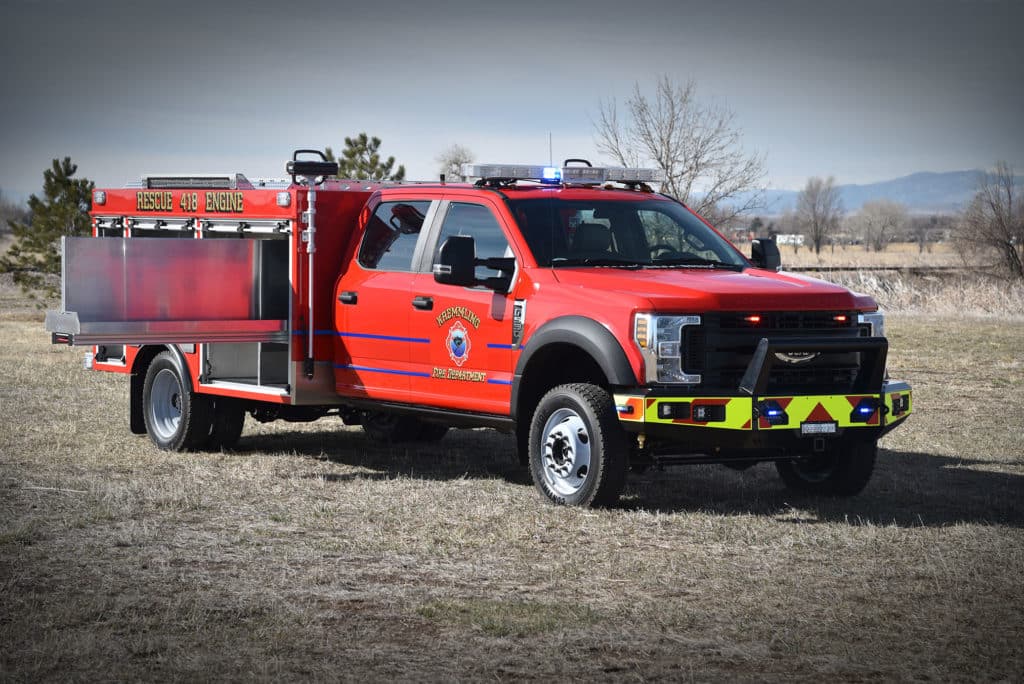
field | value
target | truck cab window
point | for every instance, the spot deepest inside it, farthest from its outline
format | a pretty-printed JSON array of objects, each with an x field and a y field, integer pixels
[
  {"x": 391, "y": 234},
  {"x": 652, "y": 233},
  {"x": 479, "y": 223}
]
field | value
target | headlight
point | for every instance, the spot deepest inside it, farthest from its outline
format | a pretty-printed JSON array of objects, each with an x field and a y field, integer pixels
[
  {"x": 660, "y": 341},
  {"x": 875, "y": 321}
]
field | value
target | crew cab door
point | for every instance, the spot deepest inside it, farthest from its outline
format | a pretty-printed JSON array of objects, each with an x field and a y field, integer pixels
[
  {"x": 373, "y": 301},
  {"x": 468, "y": 362}
]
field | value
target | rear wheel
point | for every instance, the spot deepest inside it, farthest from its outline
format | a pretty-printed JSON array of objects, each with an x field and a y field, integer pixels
[
  {"x": 578, "y": 451},
  {"x": 227, "y": 418},
  {"x": 177, "y": 419},
  {"x": 841, "y": 471}
]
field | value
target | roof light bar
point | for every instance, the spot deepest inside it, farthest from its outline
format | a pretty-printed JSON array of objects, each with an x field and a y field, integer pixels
[
  {"x": 622, "y": 174},
  {"x": 568, "y": 175},
  {"x": 583, "y": 175},
  {"x": 513, "y": 172}
]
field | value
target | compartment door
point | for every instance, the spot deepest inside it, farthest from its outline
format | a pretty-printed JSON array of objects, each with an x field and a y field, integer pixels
[{"x": 153, "y": 291}]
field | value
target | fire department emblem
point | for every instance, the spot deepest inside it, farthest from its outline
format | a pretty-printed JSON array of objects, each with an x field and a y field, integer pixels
[{"x": 457, "y": 343}]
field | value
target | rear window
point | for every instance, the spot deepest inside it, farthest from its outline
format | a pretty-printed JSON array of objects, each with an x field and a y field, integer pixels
[{"x": 391, "y": 234}]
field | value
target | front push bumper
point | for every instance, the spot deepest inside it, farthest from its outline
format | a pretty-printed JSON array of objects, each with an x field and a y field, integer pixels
[{"x": 713, "y": 423}]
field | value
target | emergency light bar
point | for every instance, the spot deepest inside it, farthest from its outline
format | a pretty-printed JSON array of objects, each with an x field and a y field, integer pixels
[
  {"x": 566, "y": 175},
  {"x": 550, "y": 174}
]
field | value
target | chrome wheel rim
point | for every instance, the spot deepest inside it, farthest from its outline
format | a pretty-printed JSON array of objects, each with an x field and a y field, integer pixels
[
  {"x": 565, "y": 452},
  {"x": 165, "y": 404}
]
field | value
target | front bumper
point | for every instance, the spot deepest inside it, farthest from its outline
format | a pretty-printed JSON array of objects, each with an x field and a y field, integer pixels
[{"x": 709, "y": 424}]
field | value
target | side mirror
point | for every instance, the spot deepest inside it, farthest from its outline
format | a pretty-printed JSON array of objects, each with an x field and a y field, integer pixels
[
  {"x": 456, "y": 262},
  {"x": 764, "y": 253}
]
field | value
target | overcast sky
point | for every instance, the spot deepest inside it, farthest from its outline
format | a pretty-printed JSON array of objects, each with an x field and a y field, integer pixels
[{"x": 864, "y": 90}]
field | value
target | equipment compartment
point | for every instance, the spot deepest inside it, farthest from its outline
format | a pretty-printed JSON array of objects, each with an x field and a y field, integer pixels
[{"x": 155, "y": 291}]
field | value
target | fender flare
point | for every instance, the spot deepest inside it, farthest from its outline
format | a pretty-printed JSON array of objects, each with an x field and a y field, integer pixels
[{"x": 587, "y": 334}]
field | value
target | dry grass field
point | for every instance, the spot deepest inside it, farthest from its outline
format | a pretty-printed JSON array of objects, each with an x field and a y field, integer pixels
[
  {"x": 901, "y": 254},
  {"x": 948, "y": 293},
  {"x": 312, "y": 553}
]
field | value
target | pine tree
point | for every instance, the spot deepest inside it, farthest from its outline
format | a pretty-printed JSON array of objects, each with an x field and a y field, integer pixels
[
  {"x": 361, "y": 160},
  {"x": 63, "y": 210}
]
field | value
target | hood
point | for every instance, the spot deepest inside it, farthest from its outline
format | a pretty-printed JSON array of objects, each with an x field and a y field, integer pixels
[{"x": 691, "y": 289}]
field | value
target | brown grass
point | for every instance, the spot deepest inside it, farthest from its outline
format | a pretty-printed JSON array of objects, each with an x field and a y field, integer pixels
[
  {"x": 954, "y": 293},
  {"x": 945, "y": 294},
  {"x": 901, "y": 254},
  {"x": 312, "y": 553}
]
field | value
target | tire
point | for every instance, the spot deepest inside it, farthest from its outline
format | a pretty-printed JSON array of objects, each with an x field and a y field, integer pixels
[
  {"x": 227, "y": 418},
  {"x": 578, "y": 450},
  {"x": 177, "y": 419},
  {"x": 842, "y": 471},
  {"x": 393, "y": 428}
]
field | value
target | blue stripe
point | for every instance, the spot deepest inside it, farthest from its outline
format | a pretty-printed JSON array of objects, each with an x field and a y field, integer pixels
[
  {"x": 499, "y": 382},
  {"x": 365, "y": 336},
  {"x": 492, "y": 345},
  {"x": 391, "y": 338},
  {"x": 381, "y": 370}
]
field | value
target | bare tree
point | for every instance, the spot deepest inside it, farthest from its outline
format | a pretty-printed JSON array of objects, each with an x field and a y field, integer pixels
[
  {"x": 818, "y": 210},
  {"x": 925, "y": 230},
  {"x": 992, "y": 226},
  {"x": 697, "y": 146},
  {"x": 450, "y": 161},
  {"x": 879, "y": 222}
]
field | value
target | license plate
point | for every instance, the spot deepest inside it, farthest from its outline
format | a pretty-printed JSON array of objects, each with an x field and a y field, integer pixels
[{"x": 817, "y": 428}]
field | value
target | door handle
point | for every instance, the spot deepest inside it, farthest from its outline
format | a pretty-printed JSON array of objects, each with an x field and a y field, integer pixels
[
  {"x": 425, "y": 303},
  {"x": 348, "y": 297}
]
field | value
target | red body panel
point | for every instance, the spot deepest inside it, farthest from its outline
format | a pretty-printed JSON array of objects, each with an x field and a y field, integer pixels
[{"x": 373, "y": 348}]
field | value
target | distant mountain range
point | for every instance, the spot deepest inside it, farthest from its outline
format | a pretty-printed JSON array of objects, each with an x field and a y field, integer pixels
[{"x": 925, "y": 192}]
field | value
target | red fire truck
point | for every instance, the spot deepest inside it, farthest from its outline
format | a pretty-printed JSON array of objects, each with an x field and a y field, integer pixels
[{"x": 604, "y": 324}]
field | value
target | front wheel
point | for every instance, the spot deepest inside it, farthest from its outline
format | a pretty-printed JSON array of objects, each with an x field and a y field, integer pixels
[
  {"x": 177, "y": 419},
  {"x": 839, "y": 471},
  {"x": 578, "y": 451}
]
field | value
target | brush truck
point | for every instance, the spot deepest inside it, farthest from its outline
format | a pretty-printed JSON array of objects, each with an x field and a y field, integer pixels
[{"x": 604, "y": 324}]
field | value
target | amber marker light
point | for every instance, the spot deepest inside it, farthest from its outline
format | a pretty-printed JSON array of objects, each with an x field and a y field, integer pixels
[{"x": 641, "y": 331}]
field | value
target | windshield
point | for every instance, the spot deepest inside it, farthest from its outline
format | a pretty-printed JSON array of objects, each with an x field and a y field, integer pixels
[{"x": 642, "y": 233}]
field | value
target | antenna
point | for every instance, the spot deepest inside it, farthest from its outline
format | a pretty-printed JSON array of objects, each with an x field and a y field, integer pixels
[{"x": 551, "y": 156}]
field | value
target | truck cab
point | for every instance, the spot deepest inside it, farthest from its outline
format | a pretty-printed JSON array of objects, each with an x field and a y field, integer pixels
[{"x": 610, "y": 327}]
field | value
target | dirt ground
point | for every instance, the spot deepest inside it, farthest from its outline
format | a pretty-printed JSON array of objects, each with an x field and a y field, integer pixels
[{"x": 313, "y": 553}]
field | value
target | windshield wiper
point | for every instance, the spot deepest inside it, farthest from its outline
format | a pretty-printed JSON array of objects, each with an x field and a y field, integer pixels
[
  {"x": 694, "y": 261},
  {"x": 594, "y": 261}
]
